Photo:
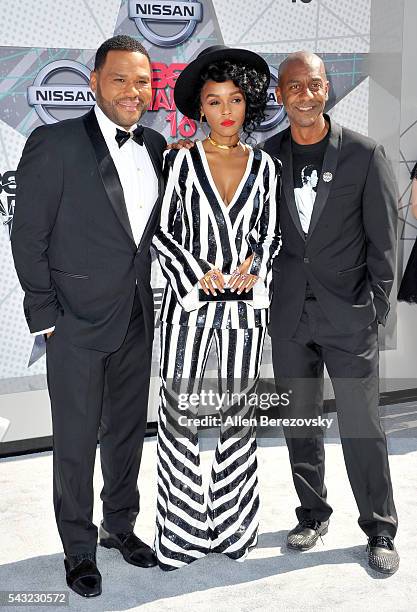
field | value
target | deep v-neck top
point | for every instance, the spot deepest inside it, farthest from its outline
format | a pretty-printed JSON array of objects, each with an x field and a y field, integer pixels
[
  {"x": 198, "y": 232},
  {"x": 209, "y": 173}
]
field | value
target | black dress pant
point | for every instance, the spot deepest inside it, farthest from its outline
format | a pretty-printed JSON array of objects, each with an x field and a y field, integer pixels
[
  {"x": 352, "y": 363},
  {"x": 91, "y": 392}
]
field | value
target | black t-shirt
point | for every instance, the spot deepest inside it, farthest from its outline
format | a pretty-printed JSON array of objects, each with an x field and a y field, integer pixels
[{"x": 307, "y": 163}]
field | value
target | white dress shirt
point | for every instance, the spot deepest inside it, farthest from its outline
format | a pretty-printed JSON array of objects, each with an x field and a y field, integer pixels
[
  {"x": 137, "y": 177},
  {"x": 136, "y": 174}
]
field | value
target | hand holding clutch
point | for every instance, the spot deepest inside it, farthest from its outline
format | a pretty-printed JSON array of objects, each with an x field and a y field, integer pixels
[
  {"x": 258, "y": 297},
  {"x": 212, "y": 282},
  {"x": 241, "y": 281},
  {"x": 227, "y": 293}
]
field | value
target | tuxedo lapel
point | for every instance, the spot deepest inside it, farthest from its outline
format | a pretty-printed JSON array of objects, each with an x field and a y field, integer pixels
[
  {"x": 285, "y": 156},
  {"x": 330, "y": 160},
  {"x": 108, "y": 172},
  {"x": 156, "y": 158}
]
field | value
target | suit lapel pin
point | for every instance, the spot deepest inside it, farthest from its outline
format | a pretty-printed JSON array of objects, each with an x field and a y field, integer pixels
[{"x": 327, "y": 177}]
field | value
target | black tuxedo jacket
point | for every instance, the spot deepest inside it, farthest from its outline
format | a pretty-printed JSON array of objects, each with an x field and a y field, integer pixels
[
  {"x": 348, "y": 256},
  {"x": 72, "y": 243}
]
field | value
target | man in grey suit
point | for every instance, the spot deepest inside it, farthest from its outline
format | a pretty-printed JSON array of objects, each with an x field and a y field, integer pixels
[{"x": 332, "y": 280}]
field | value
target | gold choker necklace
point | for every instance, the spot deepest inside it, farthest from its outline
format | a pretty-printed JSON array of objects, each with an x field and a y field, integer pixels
[{"x": 222, "y": 146}]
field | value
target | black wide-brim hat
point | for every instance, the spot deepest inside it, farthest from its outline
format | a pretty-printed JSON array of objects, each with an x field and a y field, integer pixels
[{"x": 187, "y": 83}]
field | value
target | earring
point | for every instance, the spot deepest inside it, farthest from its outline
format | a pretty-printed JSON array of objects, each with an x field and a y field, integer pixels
[{"x": 201, "y": 124}]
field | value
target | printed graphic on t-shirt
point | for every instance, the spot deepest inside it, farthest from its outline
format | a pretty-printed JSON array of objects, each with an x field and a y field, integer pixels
[{"x": 305, "y": 189}]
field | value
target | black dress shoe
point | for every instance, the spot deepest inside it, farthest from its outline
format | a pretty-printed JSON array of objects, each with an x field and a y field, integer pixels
[
  {"x": 134, "y": 551},
  {"x": 305, "y": 535},
  {"x": 382, "y": 555},
  {"x": 82, "y": 574}
]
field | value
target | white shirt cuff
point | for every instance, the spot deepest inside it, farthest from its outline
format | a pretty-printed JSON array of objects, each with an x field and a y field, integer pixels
[{"x": 44, "y": 331}]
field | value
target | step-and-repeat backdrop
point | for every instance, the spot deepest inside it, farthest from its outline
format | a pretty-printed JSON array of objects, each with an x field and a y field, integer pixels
[{"x": 45, "y": 62}]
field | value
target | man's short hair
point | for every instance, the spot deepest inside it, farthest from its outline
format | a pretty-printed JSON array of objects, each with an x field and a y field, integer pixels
[{"x": 118, "y": 43}]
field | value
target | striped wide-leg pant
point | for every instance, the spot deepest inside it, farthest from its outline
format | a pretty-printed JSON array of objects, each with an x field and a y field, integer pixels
[{"x": 191, "y": 522}]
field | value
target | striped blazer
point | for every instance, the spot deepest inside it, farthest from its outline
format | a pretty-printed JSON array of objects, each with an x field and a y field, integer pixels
[{"x": 198, "y": 232}]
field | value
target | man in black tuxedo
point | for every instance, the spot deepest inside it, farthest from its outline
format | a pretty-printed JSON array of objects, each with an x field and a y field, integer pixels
[
  {"x": 332, "y": 280},
  {"x": 87, "y": 205}
]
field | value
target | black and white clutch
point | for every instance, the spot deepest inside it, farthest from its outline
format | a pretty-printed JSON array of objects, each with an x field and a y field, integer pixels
[{"x": 257, "y": 297}]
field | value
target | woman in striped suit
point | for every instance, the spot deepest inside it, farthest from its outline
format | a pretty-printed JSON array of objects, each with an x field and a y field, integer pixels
[{"x": 215, "y": 244}]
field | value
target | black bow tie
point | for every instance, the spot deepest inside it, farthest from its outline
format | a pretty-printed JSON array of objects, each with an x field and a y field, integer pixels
[{"x": 136, "y": 135}]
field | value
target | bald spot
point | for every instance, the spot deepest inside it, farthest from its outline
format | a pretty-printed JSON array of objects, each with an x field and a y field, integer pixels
[{"x": 305, "y": 58}]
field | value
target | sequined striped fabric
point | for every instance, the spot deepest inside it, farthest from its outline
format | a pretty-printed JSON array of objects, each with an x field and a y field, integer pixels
[
  {"x": 198, "y": 232},
  {"x": 191, "y": 521}
]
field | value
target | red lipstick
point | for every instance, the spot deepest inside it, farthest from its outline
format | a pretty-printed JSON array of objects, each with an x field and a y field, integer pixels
[{"x": 228, "y": 123}]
